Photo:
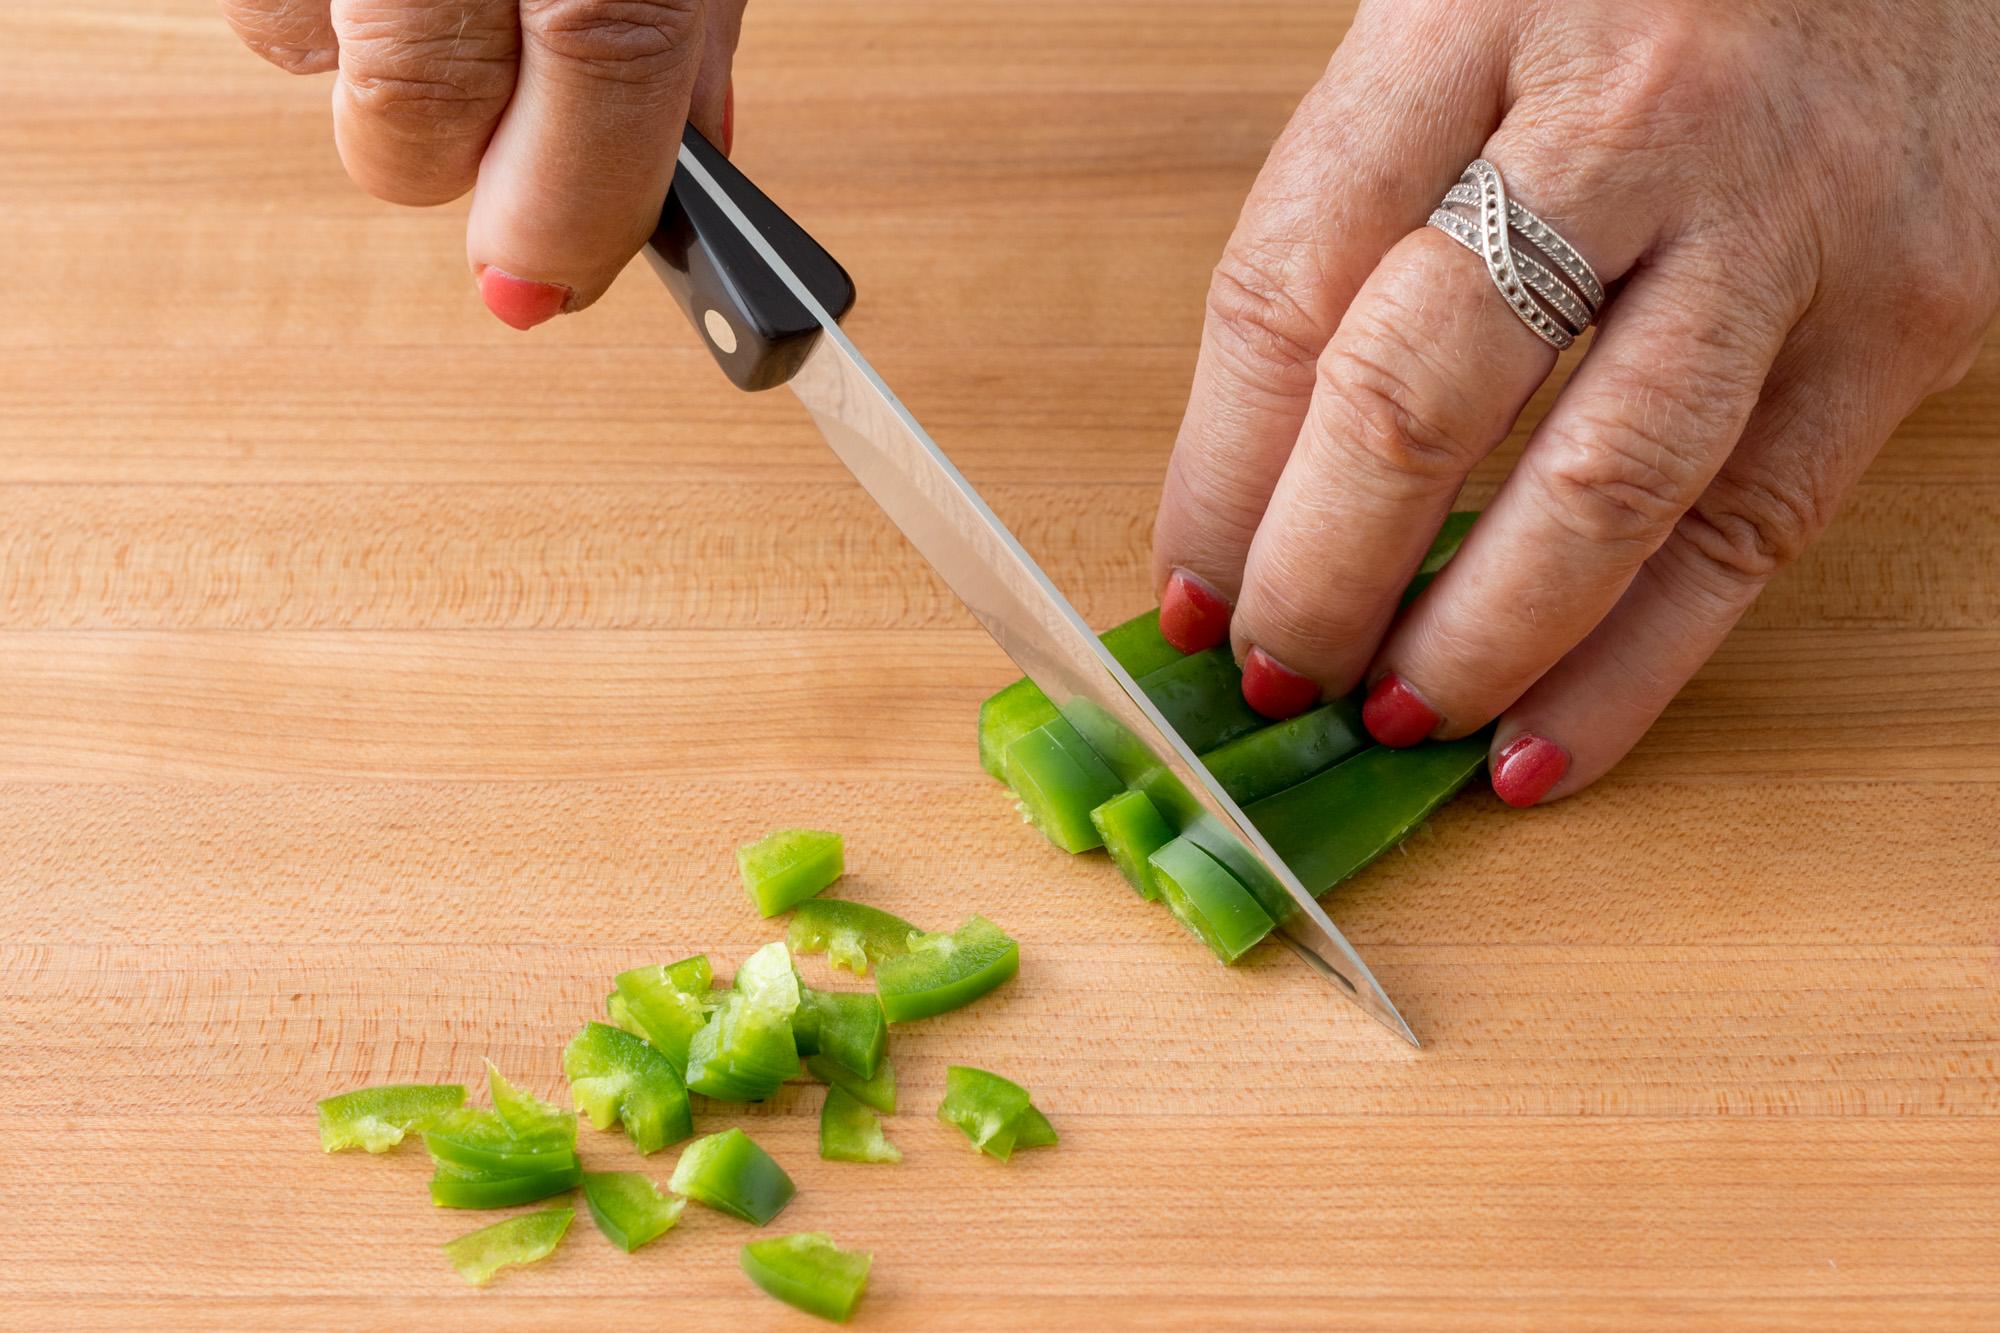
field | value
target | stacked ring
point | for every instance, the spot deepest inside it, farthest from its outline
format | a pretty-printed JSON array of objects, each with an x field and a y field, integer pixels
[{"x": 1545, "y": 281}]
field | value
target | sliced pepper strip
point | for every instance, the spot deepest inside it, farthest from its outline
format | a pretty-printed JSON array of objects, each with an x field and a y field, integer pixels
[
  {"x": 789, "y": 866},
  {"x": 629, "y": 1208},
  {"x": 1457, "y": 527},
  {"x": 1133, "y": 829},
  {"x": 1202, "y": 696},
  {"x": 665, "y": 1004},
  {"x": 730, "y": 1173},
  {"x": 943, "y": 972},
  {"x": 480, "y": 1141},
  {"x": 1286, "y": 753},
  {"x": 616, "y": 1078},
  {"x": 851, "y": 1132},
  {"x": 1013, "y": 712},
  {"x": 1033, "y": 1130},
  {"x": 478, "y": 1255},
  {"x": 852, "y": 935},
  {"x": 878, "y": 1092},
  {"x": 466, "y": 1187},
  {"x": 376, "y": 1119},
  {"x": 747, "y": 1050},
  {"x": 846, "y": 1026},
  {"x": 1059, "y": 779},
  {"x": 986, "y": 1107},
  {"x": 809, "y": 1272},
  {"x": 1208, "y": 900}
]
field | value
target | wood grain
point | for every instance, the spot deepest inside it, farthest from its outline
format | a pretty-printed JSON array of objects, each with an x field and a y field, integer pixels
[{"x": 359, "y": 718}]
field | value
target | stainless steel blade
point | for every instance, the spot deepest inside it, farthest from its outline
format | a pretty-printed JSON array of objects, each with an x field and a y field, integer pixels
[{"x": 924, "y": 494}]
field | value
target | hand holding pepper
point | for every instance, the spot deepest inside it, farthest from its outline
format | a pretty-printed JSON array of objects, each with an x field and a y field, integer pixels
[{"x": 1797, "y": 211}]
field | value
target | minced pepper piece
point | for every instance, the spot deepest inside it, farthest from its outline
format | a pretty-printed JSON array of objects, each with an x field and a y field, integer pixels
[
  {"x": 846, "y": 1026},
  {"x": 809, "y": 1272},
  {"x": 853, "y": 935},
  {"x": 992, "y": 1111},
  {"x": 481, "y": 1141},
  {"x": 1133, "y": 829},
  {"x": 942, "y": 972},
  {"x": 616, "y": 1077},
  {"x": 1059, "y": 780},
  {"x": 529, "y": 1119},
  {"x": 478, "y": 1255},
  {"x": 731, "y": 1174},
  {"x": 376, "y": 1119},
  {"x": 789, "y": 866},
  {"x": 665, "y": 1004},
  {"x": 629, "y": 1208},
  {"x": 851, "y": 1132},
  {"x": 455, "y": 1186},
  {"x": 747, "y": 1050},
  {"x": 1208, "y": 900},
  {"x": 1286, "y": 753},
  {"x": 878, "y": 1092}
]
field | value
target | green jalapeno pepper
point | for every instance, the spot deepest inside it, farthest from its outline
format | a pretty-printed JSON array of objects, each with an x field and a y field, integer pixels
[
  {"x": 376, "y": 1119},
  {"x": 992, "y": 1111},
  {"x": 1202, "y": 697},
  {"x": 629, "y": 1208},
  {"x": 1133, "y": 829},
  {"x": 809, "y": 1272},
  {"x": 478, "y": 1255},
  {"x": 852, "y": 1132},
  {"x": 730, "y": 1173},
  {"x": 1286, "y": 753},
  {"x": 617, "y": 1078},
  {"x": 746, "y": 1050},
  {"x": 470, "y": 1187},
  {"x": 878, "y": 1092},
  {"x": 789, "y": 866},
  {"x": 852, "y": 935},
  {"x": 943, "y": 972},
  {"x": 1017, "y": 710},
  {"x": 847, "y": 1027},
  {"x": 1060, "y": 780},
  {"x": 1208, "y": 900},
  {"x": 480, "y": 1141},
  {"x": 665, "y": 1004}
]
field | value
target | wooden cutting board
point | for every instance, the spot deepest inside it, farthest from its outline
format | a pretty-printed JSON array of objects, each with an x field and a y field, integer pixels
[{"x": 375, "y": 682}]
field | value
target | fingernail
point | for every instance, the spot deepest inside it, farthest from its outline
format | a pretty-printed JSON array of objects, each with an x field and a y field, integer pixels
[
  {"x": 1527, "y": 768},
  {"x": 728, "y": 116},
  {"x": 1193, "y": 616},
  {"x": 1274, "y": 689},
  {"x": 520, "y": 302},
  {"x": 1395, "y": 715}
]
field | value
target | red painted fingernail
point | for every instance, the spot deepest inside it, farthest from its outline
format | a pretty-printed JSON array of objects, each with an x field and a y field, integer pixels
[
  {"x": 1527, "y": 768},
  {"x": 1395, "y": 715},
  {"x": 728, "y": 117},
  {"x": 521, "y": 302},
  {"x": 1274, "y": 689},
  {"x": 1193, "y": 616}
]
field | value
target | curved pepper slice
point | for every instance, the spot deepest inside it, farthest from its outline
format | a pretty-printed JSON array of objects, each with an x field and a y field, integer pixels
[
  {"x": 846, "y": 1026},
  {"x": 852, "y": 935},
  {"x": 731, "y": 1174},
  {"x": 467, "y": 1187},
  {"x": 1207, "y": 899},
  {"x": 942, "y": 972},
  {"x": 878, "y": 1092},
  {"x": 1133, "y": 829},
  {"x": 851, "y": 1132},
  {"x": 991, "y": 1111},
  {"x": 376, "y": 1119},
  {"x": 665, "y": 1004},
  {"x": 1059, "y": 780},
  {"x": 628, "y": 1208},
  {"x": 616, "y": 1077},
  {"x": 480, "y": 1141},
  {"x": 1286, "y": 753},
  {"x": 809, "y": 1272},
  {"x": 789, "y": 866},
  {"x": 747, "y": 1050},
  {"x": 478, "y": 1255},
  {"x": 1013, "y": 712},
  {"x": 531, "y": 1121}
]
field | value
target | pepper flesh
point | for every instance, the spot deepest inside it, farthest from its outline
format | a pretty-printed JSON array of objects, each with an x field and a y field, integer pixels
[
  {"x": 480, "y": 1141},
  {"x": 943, "y": 972},
  {"x": 878, "y": 1092},
  {"x": 1059, "y": 780},
  {"x": 1456, "y": 528},
  {"x": 809, "y": 1272},
  {"x": 845, "y": 1026},
  {"x": 1202, "y": 697},
  {"x": 1133, "y": 829},
  {"x": 478, "y": 1255},
  {"x": 376, "y": 1119},
  {"x": 747, "y": 1049},
  {"x": 987, "y": 1108},
  {"x": 629, "y": 1208},
  {"x": 853, "y": 935},
  {"x": 851, "y": 1132},
  {"x": 528, "y": 1118},
  {"x": 454, "y": 1186},
  {"x": 1017, "y": 710},
  {"x": 1208, "y": 900},
  {"x": 615, "y": 1077},
  {"x": 1284, "y": 754},
  {"x": 730, "y": 1173},
  {"x": 665, "y": 1004},
  {"x": 789, "y": 866},
  {"x": 1033, "y": 1130}
]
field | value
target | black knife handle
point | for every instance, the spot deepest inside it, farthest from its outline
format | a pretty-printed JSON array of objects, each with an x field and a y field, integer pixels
[{"x": 756, "y": 329}]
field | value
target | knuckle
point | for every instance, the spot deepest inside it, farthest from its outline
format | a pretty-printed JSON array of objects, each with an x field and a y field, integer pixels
[
  {"x": 641, "y": 42},
  {"x": 1376, "y": 413},
  {"x": 280, "y": 38},
  {"x": 1255, "y": 322},
  {"x": 1743, "y": 530},
  {"x": 1617, "y": 481},
  {"x": 426, "y": 82}
]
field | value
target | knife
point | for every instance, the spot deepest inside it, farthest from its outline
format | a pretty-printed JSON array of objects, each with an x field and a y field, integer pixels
[{"x": 767, "y": 299}]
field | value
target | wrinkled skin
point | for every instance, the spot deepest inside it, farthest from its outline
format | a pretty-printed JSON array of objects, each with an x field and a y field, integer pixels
[
  {"x": 561, "y": 116},
  {"x": 1800, "y": 205}
]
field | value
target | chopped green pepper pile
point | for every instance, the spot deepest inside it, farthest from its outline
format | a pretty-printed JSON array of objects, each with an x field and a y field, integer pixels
[
  {"x": 1328, "y": 801},
  {"x": 674, "y": 1030}
]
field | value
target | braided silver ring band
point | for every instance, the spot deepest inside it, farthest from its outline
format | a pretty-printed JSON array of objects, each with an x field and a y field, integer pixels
[{"x": 1544, "y": 281}]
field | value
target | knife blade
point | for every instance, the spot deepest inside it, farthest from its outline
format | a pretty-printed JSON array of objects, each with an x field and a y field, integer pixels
[{"x": 943, "y": 516}]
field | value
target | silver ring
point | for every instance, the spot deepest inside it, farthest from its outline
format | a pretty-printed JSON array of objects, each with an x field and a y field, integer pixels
[{"x": 1545, "y": 280}]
